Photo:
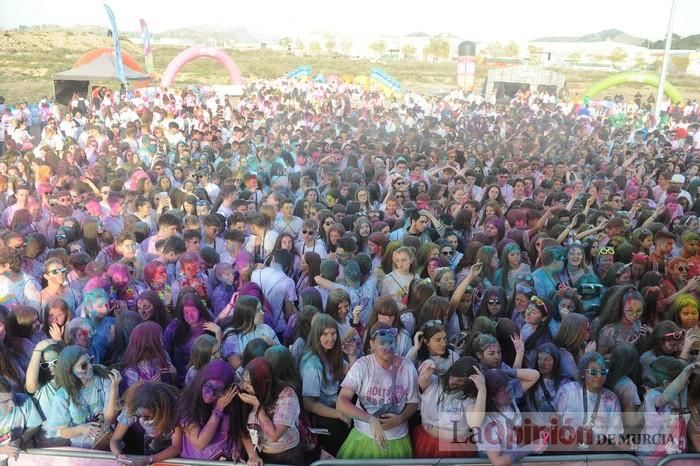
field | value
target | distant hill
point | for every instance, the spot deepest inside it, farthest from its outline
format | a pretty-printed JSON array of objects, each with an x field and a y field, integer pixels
[
  {"x": 609, "y": 34},
  {"x": 679, "y": 43},
  {"x": 207, "y": 32}
]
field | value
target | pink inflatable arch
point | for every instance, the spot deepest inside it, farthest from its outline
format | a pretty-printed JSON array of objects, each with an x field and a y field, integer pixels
[{"x": 190, "y": 54}]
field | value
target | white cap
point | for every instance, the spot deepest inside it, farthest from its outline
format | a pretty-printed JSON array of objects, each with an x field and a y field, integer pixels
[{"x": 677, "y": 178}]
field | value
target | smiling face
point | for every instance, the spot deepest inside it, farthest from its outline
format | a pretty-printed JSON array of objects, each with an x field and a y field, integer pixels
[
  {"x": 545, "y": 363},
  {"x": 145, "y": 309},
  {"x": 688, "y": 317},
  {"x": 328, "y": 338},
  {"x": 491, "y": 357},
  {"x": 212, "y": 390},
  {"x": 533, "y": 315},
  {"x": 190, "y": 313},
  {"x": 631, "y": 311}
]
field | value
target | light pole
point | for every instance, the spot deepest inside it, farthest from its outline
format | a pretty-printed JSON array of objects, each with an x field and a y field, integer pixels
[{"x": 664, "y": 62}]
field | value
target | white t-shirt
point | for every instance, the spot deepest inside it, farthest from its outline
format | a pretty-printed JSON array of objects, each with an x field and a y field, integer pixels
[
  {"x": 396, "y": 285},
  {"x": 445, "y": 411},
  {"x": 375, "y": 388},
  {"x": 277, "y": 288}
]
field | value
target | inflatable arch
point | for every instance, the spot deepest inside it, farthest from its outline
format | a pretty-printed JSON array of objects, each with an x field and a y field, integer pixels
[
  {"x": 127, "y": 59},
  {"x": 633, "y": 77},
  {"x": 190, "y": 54}
]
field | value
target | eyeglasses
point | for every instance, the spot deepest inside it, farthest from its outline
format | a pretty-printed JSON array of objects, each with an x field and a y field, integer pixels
[
  {"x": 597, "y": 372},
  {"x": 48, "y": 364},
  {"x": 675, "y": 335},
  {"x": 202, "y": 203},
  {"x": 385, "y": 332},
  {"x": 56, "y": 271},
  {"x": 609, "y": 251},
  {"x": 85, "y": 364},
  {"x": 634, "y": 312},
  {"x": 308, "y": 232},
  {"x": 682, "y": 268},
  {"x": 496, "y": 301},
  {"x": 216, "y": 391},
  {"x": 447, "y": 252}
]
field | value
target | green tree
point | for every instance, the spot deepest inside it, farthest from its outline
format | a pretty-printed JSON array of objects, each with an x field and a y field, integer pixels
[
  {"x": 408, "y": 51},
  {"x": 535, "y": 54},
  {"x": 679, "y": 64},
  {"x": 640, "y": 63},
  {"x": 285, "y": 42},
  {"x": 314, "y": 48},
  {"x": 494, "y": 50},
  {"x": 346, "y": 47},
  {"x": 330, "y": 45},
  {"x": 299, "y": 45},
  {"x": 511, "y": 50},
  {"x": 575, "y": 58},
  {"x": 437, "y": 48},
  {"x": 378, "y": 47},
  {"x": 618, "y": 56}
]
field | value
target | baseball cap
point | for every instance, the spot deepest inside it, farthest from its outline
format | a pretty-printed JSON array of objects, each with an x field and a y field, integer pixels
[{"x": 678, "y": 179}]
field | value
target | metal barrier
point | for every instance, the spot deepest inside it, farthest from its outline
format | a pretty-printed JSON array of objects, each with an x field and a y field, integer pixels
[
  {"x": 544, "y": 460},
  {"x": 686, "y": 458},
  {"x": 93, "y": 457},
  {"x": 53, "y": 456}
]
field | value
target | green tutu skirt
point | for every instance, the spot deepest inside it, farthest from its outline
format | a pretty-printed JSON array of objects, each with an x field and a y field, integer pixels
[{"x": 360, "y": 447}]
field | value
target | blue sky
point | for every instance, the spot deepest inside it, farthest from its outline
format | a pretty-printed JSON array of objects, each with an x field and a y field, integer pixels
[{"x": 474, "y": 20}]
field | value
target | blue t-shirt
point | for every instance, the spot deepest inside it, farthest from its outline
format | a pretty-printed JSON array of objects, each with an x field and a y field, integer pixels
[{"x": 313, "y": 383}]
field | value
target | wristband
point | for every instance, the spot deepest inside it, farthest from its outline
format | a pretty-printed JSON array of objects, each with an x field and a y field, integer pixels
[{"x": 217, "y": 413}]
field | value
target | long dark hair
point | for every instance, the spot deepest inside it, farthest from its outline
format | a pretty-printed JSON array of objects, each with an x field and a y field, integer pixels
[
  {"x": 10, "y": 349},
  {"x": 182, "y": 329},
  {"x": 243, "y": 319},
  {"x": 191, "y": 407},
  {"x": 552, "y": 350},
  {"x": 145, "y": 344},
  {"x": 160, "y": 313},
  {"x": 285, "y": 371},
  {"x": 64, "y": 371},
  {"x": 332, "y": 360}
]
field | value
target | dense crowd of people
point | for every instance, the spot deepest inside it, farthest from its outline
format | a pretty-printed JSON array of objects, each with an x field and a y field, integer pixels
[{"x": 313, "y": 269}]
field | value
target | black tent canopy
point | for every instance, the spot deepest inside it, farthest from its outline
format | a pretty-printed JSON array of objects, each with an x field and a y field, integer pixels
[{"x": 102, "y": 68}]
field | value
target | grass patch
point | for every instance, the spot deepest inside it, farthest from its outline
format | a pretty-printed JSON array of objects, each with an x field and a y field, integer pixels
[{"x": 25, "y": 73}]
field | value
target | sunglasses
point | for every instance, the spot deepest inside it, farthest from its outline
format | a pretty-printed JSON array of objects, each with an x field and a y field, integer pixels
[
  {"x": 85, "y": 364},
  {"x": 675, "y": 335},
  {"x": 56, "y": 271},
  {"x": 597, "y": 372},
  {"x": 447, "y": 252},
  {"x": 495, "y": 301},
  {"x": 308, "y": 232},
  {"x": 682, "y": 268},
  {"x": 48, "y": 364},
  {"x": 606, "y": 251},
  {"x": 537, "y": 301},
  {"x": 433, "y": 323},
  {"x": 386, "y": 332}
]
